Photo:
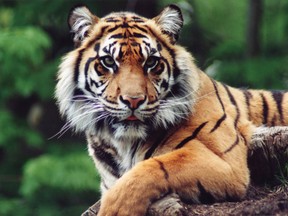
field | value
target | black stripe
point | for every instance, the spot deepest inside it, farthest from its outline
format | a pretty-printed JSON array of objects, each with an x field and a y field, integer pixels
[
  {"x": 159, "y": 47},
  {"x": 244, "y": 138},
  {"x": 77, "y": 65},
  {"x": 151, "y": 109},
  {"x": 103, "y": 90},
  {"x": 111, "y": 19},
  {"x": 158, "y": 141},
  {"x": 140, "y": 28},
  {"x": 265, "y": 108},
  {"x": 153, "y": 51},
  {"x": 193, "y": 136},
  {"x": 104, "y": 185},
  {"x": 156, "y": 90},
  {"x": 247, "y": 96},
  {"x": 114, "y": 28},
  {"x": 96, "y": 48},
  {"x": 162, "y": 167},
  {"x": 108, "y": 159},
  {"x": 105, "y": 49},
  {"x": 134, "y": 149},
  {"x": 147, "y": 44},
  {"x": 218, "y": 123},
  {"x": 232, "y": 100},
  {"x": 236, "y": 142},
  {"x": 204, "y": 196},
  {"x": 138, "y": 35},
  {"x": 97, "y": 84},
  {"x": 134, "y": 43},
  {"x": 217, "y": 94},
  {"x": 278, "y": 98},
  {"x": 110, "y": 47},
  {"x": 78, "y": 94},
  {"x": 112, "y": 108},
  {"x": 117, "y": 36},
  {"x": 164, "y": 85},
  {"x": 126, "y": 25},
  {"x": 223, "y": 117},
  {"x": 137, "y": 19},
  {"x": 140, "y": 51},
  {"x": 177, "y": 90},
  {"x": 113, "y": 51},
  {"x": 87, "y": 86}
]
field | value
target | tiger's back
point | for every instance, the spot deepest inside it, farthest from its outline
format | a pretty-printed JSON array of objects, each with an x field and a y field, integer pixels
[{"x": 154, "y": 122}]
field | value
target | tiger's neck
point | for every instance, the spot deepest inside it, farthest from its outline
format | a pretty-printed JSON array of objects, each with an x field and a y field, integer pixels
[{"x": 114, "y": 157}]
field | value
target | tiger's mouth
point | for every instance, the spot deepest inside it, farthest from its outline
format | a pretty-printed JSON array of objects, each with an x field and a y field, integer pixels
[{"x": 132, "y": 118}]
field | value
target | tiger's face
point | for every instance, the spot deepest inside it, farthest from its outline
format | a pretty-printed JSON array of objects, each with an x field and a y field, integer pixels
[
  {"x": 126, "y": 71},
  {"x": 124, "y": 76}
]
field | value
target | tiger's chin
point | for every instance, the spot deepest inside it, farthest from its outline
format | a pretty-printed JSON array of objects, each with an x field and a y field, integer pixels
[{"x": 130, "y": 130}]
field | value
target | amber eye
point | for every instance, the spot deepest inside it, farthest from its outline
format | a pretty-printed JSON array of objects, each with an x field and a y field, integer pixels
[
  {"x": 107, "y": 61},
  {"x": 151, "y": 62}
]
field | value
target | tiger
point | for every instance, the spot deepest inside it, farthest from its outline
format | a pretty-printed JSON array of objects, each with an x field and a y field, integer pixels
[{"x": 154, "y": 122}]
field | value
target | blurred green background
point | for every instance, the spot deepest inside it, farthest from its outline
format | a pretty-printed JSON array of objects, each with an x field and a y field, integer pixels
[{"x": 243, "y": 43}]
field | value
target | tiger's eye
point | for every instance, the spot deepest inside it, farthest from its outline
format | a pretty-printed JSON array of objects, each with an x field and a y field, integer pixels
[
  {"x": 151, "y": 62},
  {"x": 108, "y": 61}
]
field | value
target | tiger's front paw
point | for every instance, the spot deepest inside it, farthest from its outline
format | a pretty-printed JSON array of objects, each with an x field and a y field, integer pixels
[
  {"x": 134, "y": 191},
  {"x": 121, "y": 202}
]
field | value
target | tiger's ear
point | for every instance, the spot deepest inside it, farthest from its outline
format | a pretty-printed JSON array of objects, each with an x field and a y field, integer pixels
[
  {"x": 170, "y": 21},
  {"x": 80, "y": 21}
]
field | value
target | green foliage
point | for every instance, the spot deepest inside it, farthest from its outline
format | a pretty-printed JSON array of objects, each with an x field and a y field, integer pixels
[
  {"x": 223, "y": 19},
  {"x": 22, "y": 52},
  {"x": 12, "y": 207},
  {"x": 55, "y": 185},
  {"x": 22, "y": 69},
  {"x": 13, "y": 130},
  {"x": 255, "y": 73},
  {"x": 274, "y": 31},
  {"x": 74, "y": 172}
]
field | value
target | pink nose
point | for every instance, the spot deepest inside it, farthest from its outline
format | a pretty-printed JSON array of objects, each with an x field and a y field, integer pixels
[{"x": 133, "y": 101}]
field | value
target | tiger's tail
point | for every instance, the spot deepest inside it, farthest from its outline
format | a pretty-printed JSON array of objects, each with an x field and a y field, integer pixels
[{"x": 267, "y": 108}]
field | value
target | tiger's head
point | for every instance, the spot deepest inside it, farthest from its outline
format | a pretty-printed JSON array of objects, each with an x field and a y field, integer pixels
[{"x": 126, "y": 75}]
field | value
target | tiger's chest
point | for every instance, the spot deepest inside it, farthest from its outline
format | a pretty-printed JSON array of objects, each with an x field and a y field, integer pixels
[{"x": 113, "y": 157}]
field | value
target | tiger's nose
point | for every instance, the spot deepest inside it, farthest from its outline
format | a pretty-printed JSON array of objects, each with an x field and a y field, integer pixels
[{"x": 133, "y": 102}]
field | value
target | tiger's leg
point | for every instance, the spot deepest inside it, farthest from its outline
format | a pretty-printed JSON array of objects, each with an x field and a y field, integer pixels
[{"x": 194, "y": 172}]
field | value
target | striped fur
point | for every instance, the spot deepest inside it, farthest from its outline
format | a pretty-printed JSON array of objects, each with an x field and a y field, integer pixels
[{"x": 154, "y": 122}]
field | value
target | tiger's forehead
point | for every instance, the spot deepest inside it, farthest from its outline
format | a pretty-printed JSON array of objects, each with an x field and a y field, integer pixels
[
  {"x": 127, "y": 35},
  {"x": 124, "y": 17}
]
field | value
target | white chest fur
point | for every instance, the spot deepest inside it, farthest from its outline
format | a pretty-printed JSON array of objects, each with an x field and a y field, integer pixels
[{"x": 113, "y": 157}]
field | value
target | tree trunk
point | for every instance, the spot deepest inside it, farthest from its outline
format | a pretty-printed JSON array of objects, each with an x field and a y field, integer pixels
[
  {"x": 253, "y": 28},
  {"x": 268, "y": 156}
]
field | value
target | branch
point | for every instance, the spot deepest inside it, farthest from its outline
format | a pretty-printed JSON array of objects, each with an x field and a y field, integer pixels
[{"x": 267, "y": 156}]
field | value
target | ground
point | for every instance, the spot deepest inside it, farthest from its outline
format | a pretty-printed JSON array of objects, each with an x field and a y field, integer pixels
[{"x": 259, "y": 201}]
